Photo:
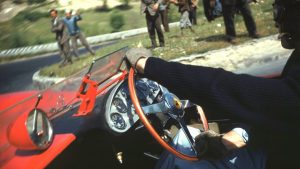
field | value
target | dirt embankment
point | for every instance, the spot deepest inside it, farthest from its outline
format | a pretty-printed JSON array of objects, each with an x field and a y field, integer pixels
[{"x": 254, "y": 53}]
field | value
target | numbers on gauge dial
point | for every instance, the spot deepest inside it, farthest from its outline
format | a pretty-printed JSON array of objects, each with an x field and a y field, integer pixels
[
  {"x": 120, "y": 105},
  {"x": 118, "y": 121}
]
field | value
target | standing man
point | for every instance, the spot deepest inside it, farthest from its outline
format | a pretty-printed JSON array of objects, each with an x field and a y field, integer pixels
[
  {"x": 193, "y": 12},
  {"x": 229, "y": 9},
  {"x": 75, "y": 32},
  {"x": 184, "y": 9},
  {"x": 61, "y": 37},
  {"x": 163, "y": 11},
  {"x": 151, "y": 9}
]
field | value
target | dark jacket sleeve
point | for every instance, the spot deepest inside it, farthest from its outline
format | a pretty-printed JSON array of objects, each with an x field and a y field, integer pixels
[
  {"x": 59, "y": 27},
  {"x": 259, "y": 102}
]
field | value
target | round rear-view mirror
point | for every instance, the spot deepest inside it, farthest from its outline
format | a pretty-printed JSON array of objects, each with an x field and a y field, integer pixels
[
  {"x": 39, "y": 128},
  {"x": 31, "y": 131}
]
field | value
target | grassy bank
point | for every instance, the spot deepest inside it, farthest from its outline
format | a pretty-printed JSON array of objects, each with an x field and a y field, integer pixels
[
  {"x": 208, "y": 36},
  {"x": 32, "y": 26}
]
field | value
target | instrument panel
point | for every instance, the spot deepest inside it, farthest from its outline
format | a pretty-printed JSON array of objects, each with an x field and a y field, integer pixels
[{"x": 120, "y": 113}]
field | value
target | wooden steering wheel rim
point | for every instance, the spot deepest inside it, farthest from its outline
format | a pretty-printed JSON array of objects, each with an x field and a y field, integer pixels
[{"x": 145, "y": 121}]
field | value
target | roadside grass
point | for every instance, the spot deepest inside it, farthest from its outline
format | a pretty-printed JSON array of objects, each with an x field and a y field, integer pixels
[{"x": 32, "y": 26}]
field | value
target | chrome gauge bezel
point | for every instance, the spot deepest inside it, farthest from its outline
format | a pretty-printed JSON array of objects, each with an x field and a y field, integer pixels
[{"x": 130, "y": 117}]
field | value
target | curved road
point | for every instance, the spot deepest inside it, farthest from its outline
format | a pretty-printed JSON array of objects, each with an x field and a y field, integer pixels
[{"x": 17, "y": 76}]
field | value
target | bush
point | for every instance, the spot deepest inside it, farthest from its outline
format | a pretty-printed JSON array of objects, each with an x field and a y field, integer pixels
[
  {"x": 17, "y": 40},
  {"x": 126, "y": 2},
  {"x": 116, "y": 21},
  {"x": 174, "y": 15},
  {"x": 18, "y": 1},
  {"x": 35, "y": 1},
  {"x": 30, "y": 16}
]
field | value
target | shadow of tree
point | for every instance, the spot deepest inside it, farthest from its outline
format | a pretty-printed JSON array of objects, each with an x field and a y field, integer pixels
[
  {"x": 213, "y": 38},
  {"x": 123, "y": 7},
  {"x": 102, "y": 9},
  {"x": 219, "y": 37}
]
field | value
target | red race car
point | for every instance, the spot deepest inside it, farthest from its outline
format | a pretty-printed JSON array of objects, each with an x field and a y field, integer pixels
[{"x": 98, "y": 118}]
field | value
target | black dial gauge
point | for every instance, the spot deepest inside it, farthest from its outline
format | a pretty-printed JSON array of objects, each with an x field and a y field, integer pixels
[
  {"x": 120, "y": 105},
  {"x": 118, "y": 121}
]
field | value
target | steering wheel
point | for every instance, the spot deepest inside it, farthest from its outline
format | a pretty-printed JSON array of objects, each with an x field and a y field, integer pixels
[{"x": 178, "y": 110}]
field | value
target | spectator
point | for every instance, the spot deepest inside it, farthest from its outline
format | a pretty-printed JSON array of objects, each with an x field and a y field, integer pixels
[
  {"x": 75, "y": 32},
  {"x": 61, "y": 36},
  {"x": 163, "y": 11},
  {"x": 150, "y": 8},
  {"x": 193, "y": 11},
  {"x": 229, "y": 9},
  {"x": 184, "y": 9}
]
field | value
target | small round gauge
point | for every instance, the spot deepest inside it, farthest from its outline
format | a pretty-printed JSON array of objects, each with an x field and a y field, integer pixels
[
  {"x": 118, "y": 121},
  {"x": 120, "y": 105}
]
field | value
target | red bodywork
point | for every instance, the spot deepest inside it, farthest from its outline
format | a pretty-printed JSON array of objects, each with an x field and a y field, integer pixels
[{"x": 15, "y": 108}]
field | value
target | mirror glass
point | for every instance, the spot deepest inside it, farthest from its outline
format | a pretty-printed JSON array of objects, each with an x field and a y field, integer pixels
[{"x": 39, "y": 128}]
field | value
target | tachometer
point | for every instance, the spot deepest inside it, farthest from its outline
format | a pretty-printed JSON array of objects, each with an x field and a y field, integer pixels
[
  {"x": 118, "y": 121},
  {"x": 120, "y": 105}
]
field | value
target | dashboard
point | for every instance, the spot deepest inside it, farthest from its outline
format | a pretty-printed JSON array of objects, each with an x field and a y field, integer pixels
[{"x": 119, "y": 111}]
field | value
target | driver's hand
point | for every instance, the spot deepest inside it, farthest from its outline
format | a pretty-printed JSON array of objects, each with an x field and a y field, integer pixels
[
  {"x": 209, "y": 146},
  {"x": 134, "y": 55}
]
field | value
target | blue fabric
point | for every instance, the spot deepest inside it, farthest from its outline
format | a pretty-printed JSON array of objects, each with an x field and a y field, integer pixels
[
  {"x": 218, "y": 9},
  {"x": 71, "y": 24}
]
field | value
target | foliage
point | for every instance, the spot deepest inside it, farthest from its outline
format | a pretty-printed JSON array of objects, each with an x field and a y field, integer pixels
[
  {"x": 35, "y": 1},
  {"x": 17, "y": 40},
  {"x": 116, "y": 21},
  {"x": 173, "y": 14},
  {"x": 126, "y": 2},
  {"x": 30, "y": 16},
  {"x": 18, "y": 1}
]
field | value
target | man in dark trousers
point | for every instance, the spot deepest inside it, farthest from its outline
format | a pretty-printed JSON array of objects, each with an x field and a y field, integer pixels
[
  {"x": 193, "y": 11},
  {"x": 229, "y": 9},
  {"x": 151, "y": 9},
  {"x": 270, "y": 107},
  {"x": 163, "y": 11},
  {"x": 75, "y": 32},
  {"x": 61, "y": 36}
]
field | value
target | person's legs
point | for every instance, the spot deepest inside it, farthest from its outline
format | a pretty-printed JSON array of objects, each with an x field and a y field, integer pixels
[
  {"x": 74, "y": 46},
  {"x": 195, "y": 16},
  {"x": 228, "y": 16},
  {"x": 62, "y": 54},
  {"x": 159, "y": 31},
  {"x": 240, "y": 159},
  {"x": 85, "y": 43},
  {"x": 185, "y": 21},
  {"x": 151, "y": 29},
  {"x": 248, "y": 18},
  {"x": 67, "y": 52},
  {"x": 192, "y": 16},
  {"x": 164, "y": 19}
]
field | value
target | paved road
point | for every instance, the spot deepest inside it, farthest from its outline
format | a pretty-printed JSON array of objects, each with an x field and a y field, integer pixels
[{"x": 17, "y": 76}]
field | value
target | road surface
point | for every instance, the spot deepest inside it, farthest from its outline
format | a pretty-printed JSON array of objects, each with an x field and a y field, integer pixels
[{"x": 17, "y": 76}]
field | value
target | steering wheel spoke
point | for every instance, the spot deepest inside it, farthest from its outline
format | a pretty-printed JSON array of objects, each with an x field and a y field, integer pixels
[
  {"x": 187, "y": 133},
  {"x": 155, "y": 108},
  {"x": 170, "y": 105}
]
